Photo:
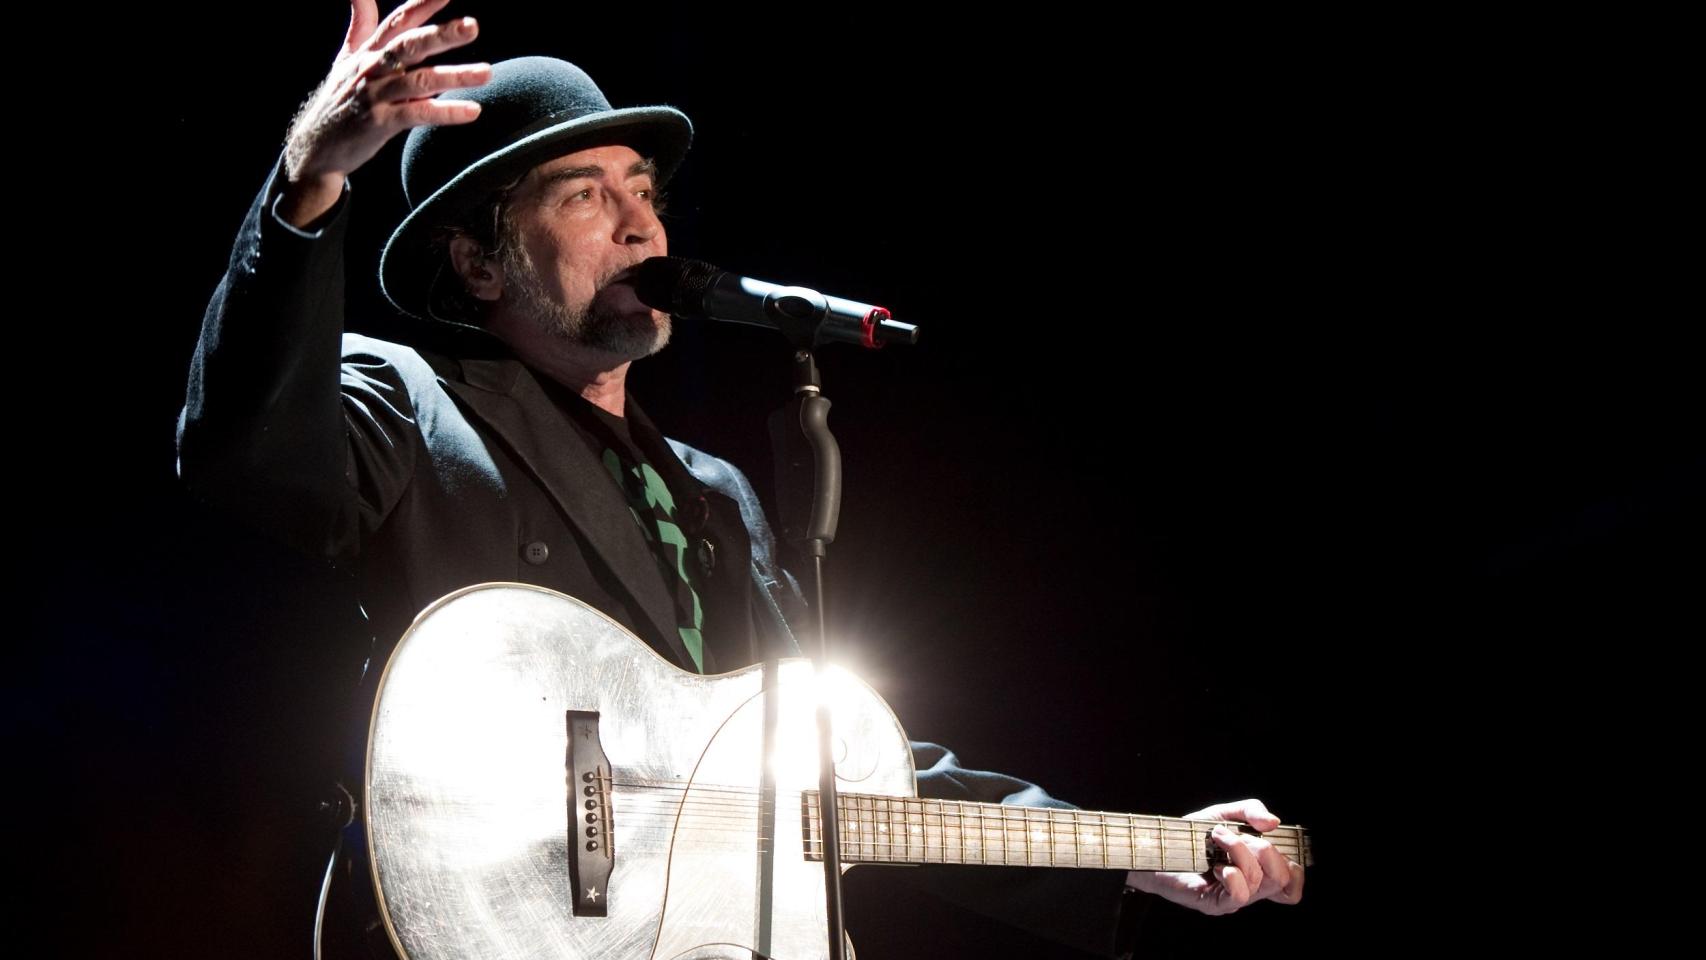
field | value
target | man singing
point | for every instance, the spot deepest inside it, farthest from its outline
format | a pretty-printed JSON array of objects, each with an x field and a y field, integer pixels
[{"x": 503, "y": 445}]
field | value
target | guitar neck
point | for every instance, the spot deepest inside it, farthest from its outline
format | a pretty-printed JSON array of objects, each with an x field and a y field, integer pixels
[{"x": 879, "y": 829}]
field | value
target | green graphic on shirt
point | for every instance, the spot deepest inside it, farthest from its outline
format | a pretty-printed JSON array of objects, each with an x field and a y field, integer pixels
[{"x": 653, "y": 507}]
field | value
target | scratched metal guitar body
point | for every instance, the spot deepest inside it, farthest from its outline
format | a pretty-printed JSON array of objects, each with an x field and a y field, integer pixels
[{"x": 470, "y": 815}]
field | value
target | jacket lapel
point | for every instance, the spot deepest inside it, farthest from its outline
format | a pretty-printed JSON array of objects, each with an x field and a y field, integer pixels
[{"x": 505, "y": 396}]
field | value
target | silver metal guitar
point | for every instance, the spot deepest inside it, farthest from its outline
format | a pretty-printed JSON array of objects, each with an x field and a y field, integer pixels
[{"x": 541, "y": 784}]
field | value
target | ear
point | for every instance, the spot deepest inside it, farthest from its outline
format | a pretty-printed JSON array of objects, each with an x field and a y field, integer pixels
[{"x": 482, "y": 275}]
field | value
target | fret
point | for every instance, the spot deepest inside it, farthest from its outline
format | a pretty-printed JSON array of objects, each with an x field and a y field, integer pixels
[
  {"x": 914, "y": 817},
  {"x": 898, "y": 827},
  {"x": 939, "y": 848},
  {"x": 881, "y": 815},
  {"x": 847, "y": 814},
  {"x": 902, "y": 828},
  {"x": 1102, "y": 823},
  {"x": 1115, "y": 840},
  {"x": 932, "y": 851},
  {"x": 850, "y": 826},
  {"x": 1079, "y": 840},
  {"x": 950, "y": 830},
  {"x": 1194, "y": 845},
  {"x": 1185, "y": 858},
  {"x": 900, "y": 831},
  {"x": 870, "y": 817},
  {"x": 1183, "y": 855},
  {"x": 814, "y": 841},
  {"x": 909, "y": 824},
  {"x": 1070, "y": 819},
  {"x": 1035, "y": 837}
]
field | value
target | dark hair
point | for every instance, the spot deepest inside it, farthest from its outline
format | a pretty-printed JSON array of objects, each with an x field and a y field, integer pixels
[{"x": 489, "y": 226}]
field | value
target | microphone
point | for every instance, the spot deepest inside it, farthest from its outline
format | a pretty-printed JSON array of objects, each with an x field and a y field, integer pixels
[{"x": 693, "y": 288}]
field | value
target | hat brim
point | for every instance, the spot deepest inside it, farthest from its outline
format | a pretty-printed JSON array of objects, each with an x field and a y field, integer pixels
[{"x": 408, "y": 267}]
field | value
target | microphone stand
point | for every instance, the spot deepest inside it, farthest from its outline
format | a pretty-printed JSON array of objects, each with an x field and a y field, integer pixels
[
  {"x": 807, "y": 414},
  {"x": 807, "y": 318}
]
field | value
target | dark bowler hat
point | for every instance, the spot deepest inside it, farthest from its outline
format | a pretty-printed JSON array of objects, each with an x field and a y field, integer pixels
[{"x": 532, "y": 110}]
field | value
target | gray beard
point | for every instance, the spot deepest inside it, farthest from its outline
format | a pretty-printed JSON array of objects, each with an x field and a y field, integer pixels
[{"x": 588, "y": 326}]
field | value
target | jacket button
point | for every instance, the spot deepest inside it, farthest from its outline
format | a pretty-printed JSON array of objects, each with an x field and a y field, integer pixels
[{"x": 536, "y": 552}]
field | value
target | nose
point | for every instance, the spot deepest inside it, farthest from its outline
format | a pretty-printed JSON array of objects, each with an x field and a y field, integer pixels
[{"x": 636, "y": 220}]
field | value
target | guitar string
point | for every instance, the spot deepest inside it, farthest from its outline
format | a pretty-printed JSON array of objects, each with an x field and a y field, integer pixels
[
  {"x": 1065, "y": 827},
  {"x": 709, "y": 812},
  {"x": 741, "y": 793},
  {"x": 937, "y": 854},
  {"x": 1060, "y": 856},
  {"x": 705, "y": 808},
  {"x": 1084, "y": 836},
  {"x": 947, "y": 857},
  {"x": 876, "y": 844},
  {"x": 877, "y": 806},
  {"x": 943, "y": 849},
  {"x": 907, "y": 850},
  {"x": 738, "y": 796},
  {"x": 1010, "y": 831}
]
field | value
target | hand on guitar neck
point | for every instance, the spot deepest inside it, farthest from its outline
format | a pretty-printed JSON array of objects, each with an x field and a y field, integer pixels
[{"x": 1258, "y": 870}]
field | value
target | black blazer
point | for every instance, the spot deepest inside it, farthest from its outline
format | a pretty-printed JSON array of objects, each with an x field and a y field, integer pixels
[{"x": 436, "y": 471}]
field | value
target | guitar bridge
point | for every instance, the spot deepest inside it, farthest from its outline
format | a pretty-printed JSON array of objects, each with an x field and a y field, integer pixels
[{"x": 591, "y": 826}]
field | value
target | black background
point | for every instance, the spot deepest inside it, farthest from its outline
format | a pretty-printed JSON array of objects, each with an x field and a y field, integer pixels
[{"x": 1305, "y": 409}]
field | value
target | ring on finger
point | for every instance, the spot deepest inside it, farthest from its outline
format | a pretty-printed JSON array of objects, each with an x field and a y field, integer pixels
[{"x": 392, "y": 63}]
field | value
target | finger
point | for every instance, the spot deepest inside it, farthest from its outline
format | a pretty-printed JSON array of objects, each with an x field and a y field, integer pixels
[
  {"x": 426, "y": 82},
  {"x": 409, "y": 15},
  {"x": 1293, "y": 891},
  {"x": 1253, "y": 812},
  {"x": 1243, "y": 857},
  {"x": 1276, "y": 870},
  {"x": 419, "y": 113},
  {"x": 414, "y": 46},
  {"x": 1234, "y": 889},
  {"x": 363, "y": 17}
]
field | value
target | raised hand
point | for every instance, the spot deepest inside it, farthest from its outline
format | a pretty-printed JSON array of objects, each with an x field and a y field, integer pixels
[{"x": 375, "y": 90}]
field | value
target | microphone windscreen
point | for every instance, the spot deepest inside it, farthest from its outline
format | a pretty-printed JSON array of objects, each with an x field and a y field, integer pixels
[{"x": 674, "y": 285}]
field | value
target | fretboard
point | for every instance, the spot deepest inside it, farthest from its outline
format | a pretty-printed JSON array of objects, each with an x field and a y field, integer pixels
[{"x": 878, "y": 829}]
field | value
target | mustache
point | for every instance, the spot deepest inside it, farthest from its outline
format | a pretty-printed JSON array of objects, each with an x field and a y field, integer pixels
[{"x": 620, "y": 274}]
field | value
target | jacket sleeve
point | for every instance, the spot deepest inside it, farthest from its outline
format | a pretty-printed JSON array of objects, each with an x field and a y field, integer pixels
[
  {"x": 274, "y": 428},
  {"x": 1078, "y": 908}
]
